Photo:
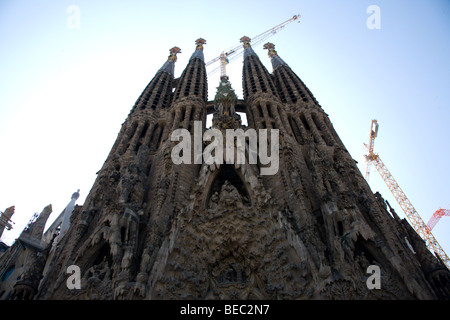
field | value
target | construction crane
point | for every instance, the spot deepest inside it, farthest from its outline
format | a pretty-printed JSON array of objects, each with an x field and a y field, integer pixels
[
  {"x": 235, "y": 52},
  {"x": 437, "y": 215},
  {"x": 373, "y": 135},
  {"x": 414, "y": 218}
]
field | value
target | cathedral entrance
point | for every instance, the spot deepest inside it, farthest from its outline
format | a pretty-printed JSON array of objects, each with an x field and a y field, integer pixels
[{"x": 227, "y": 179}]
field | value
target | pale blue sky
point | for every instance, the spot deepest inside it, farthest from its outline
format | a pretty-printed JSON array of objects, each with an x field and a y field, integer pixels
[{"x": 65, "y": 92}]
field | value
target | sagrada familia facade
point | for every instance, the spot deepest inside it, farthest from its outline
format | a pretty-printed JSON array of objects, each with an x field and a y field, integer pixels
[{"x": 153, "y": 229}]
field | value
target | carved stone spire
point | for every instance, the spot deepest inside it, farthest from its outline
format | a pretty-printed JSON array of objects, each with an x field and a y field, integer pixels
[
  {"x": 158, "y": 93},
  {"x": 289, "y": 86},
  {"x": 68, "y": 212},
  {"x": 198, "y": 53},
  {"x": 192, "y": 81},
  {"x": 225, "y": 98},
  {"x": 225, "y": 115},
  {"x": 273, "y": 55},
  {"x": 36, "y": 228},
  {"x": 248, "y": 51},
  {"x": 169, "y": 65},
  {"x": 256, "y": 78}
]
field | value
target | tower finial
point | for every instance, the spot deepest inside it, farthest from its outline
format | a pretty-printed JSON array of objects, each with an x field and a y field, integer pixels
[
  {"x": 248, "y": 50},
  {"x": 198, "y": 53},
  {"x": 169, "y": 65},
  {"x": 173, "y": 54},
  {"x": 274, "y": 57},
  {"x": 200, "y": 42},
  {"x": 271, "y": 49},
  {"x": 246, "y": 41}
]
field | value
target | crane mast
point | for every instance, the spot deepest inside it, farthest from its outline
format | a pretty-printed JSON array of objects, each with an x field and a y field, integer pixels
[
  {"x": 411, "y": 213},
  {"x": 235, "y": 52},
  {"x": 371, "y": 155}
]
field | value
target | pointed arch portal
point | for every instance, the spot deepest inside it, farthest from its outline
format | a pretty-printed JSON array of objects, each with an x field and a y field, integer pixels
[{"x": 228, "y": 173}]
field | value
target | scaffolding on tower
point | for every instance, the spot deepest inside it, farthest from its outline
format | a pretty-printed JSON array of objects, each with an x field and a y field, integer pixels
[{"x": 413, "y": 216}]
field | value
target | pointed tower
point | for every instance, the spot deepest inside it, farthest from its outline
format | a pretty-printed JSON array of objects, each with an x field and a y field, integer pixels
[
  {"x": 191, "y": 93},
  {"x": 68, "y": 212},
  {"x": 260, "y": 94},
  {"x": 188, "y": 105},
  {"x": 141, "y": 127},
  {"x": 306, "y": 118},
  {"x": 35, "y": 227},
  {"x": 22, "y": 264},
  {"x": 265, "y": 110},
  {"x": 61, "y": 224},
  {"x": 157, "y": 94}
]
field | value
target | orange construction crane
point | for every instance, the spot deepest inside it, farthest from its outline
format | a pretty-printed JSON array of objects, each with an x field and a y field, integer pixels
[
  {"x": 437, "y": 215},
  {"x": 237, "y": 51},
  {"x": 410, "y": 212}
]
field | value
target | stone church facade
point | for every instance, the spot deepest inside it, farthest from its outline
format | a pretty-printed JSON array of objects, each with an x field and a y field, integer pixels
[{"x": 152, "y": 229}]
